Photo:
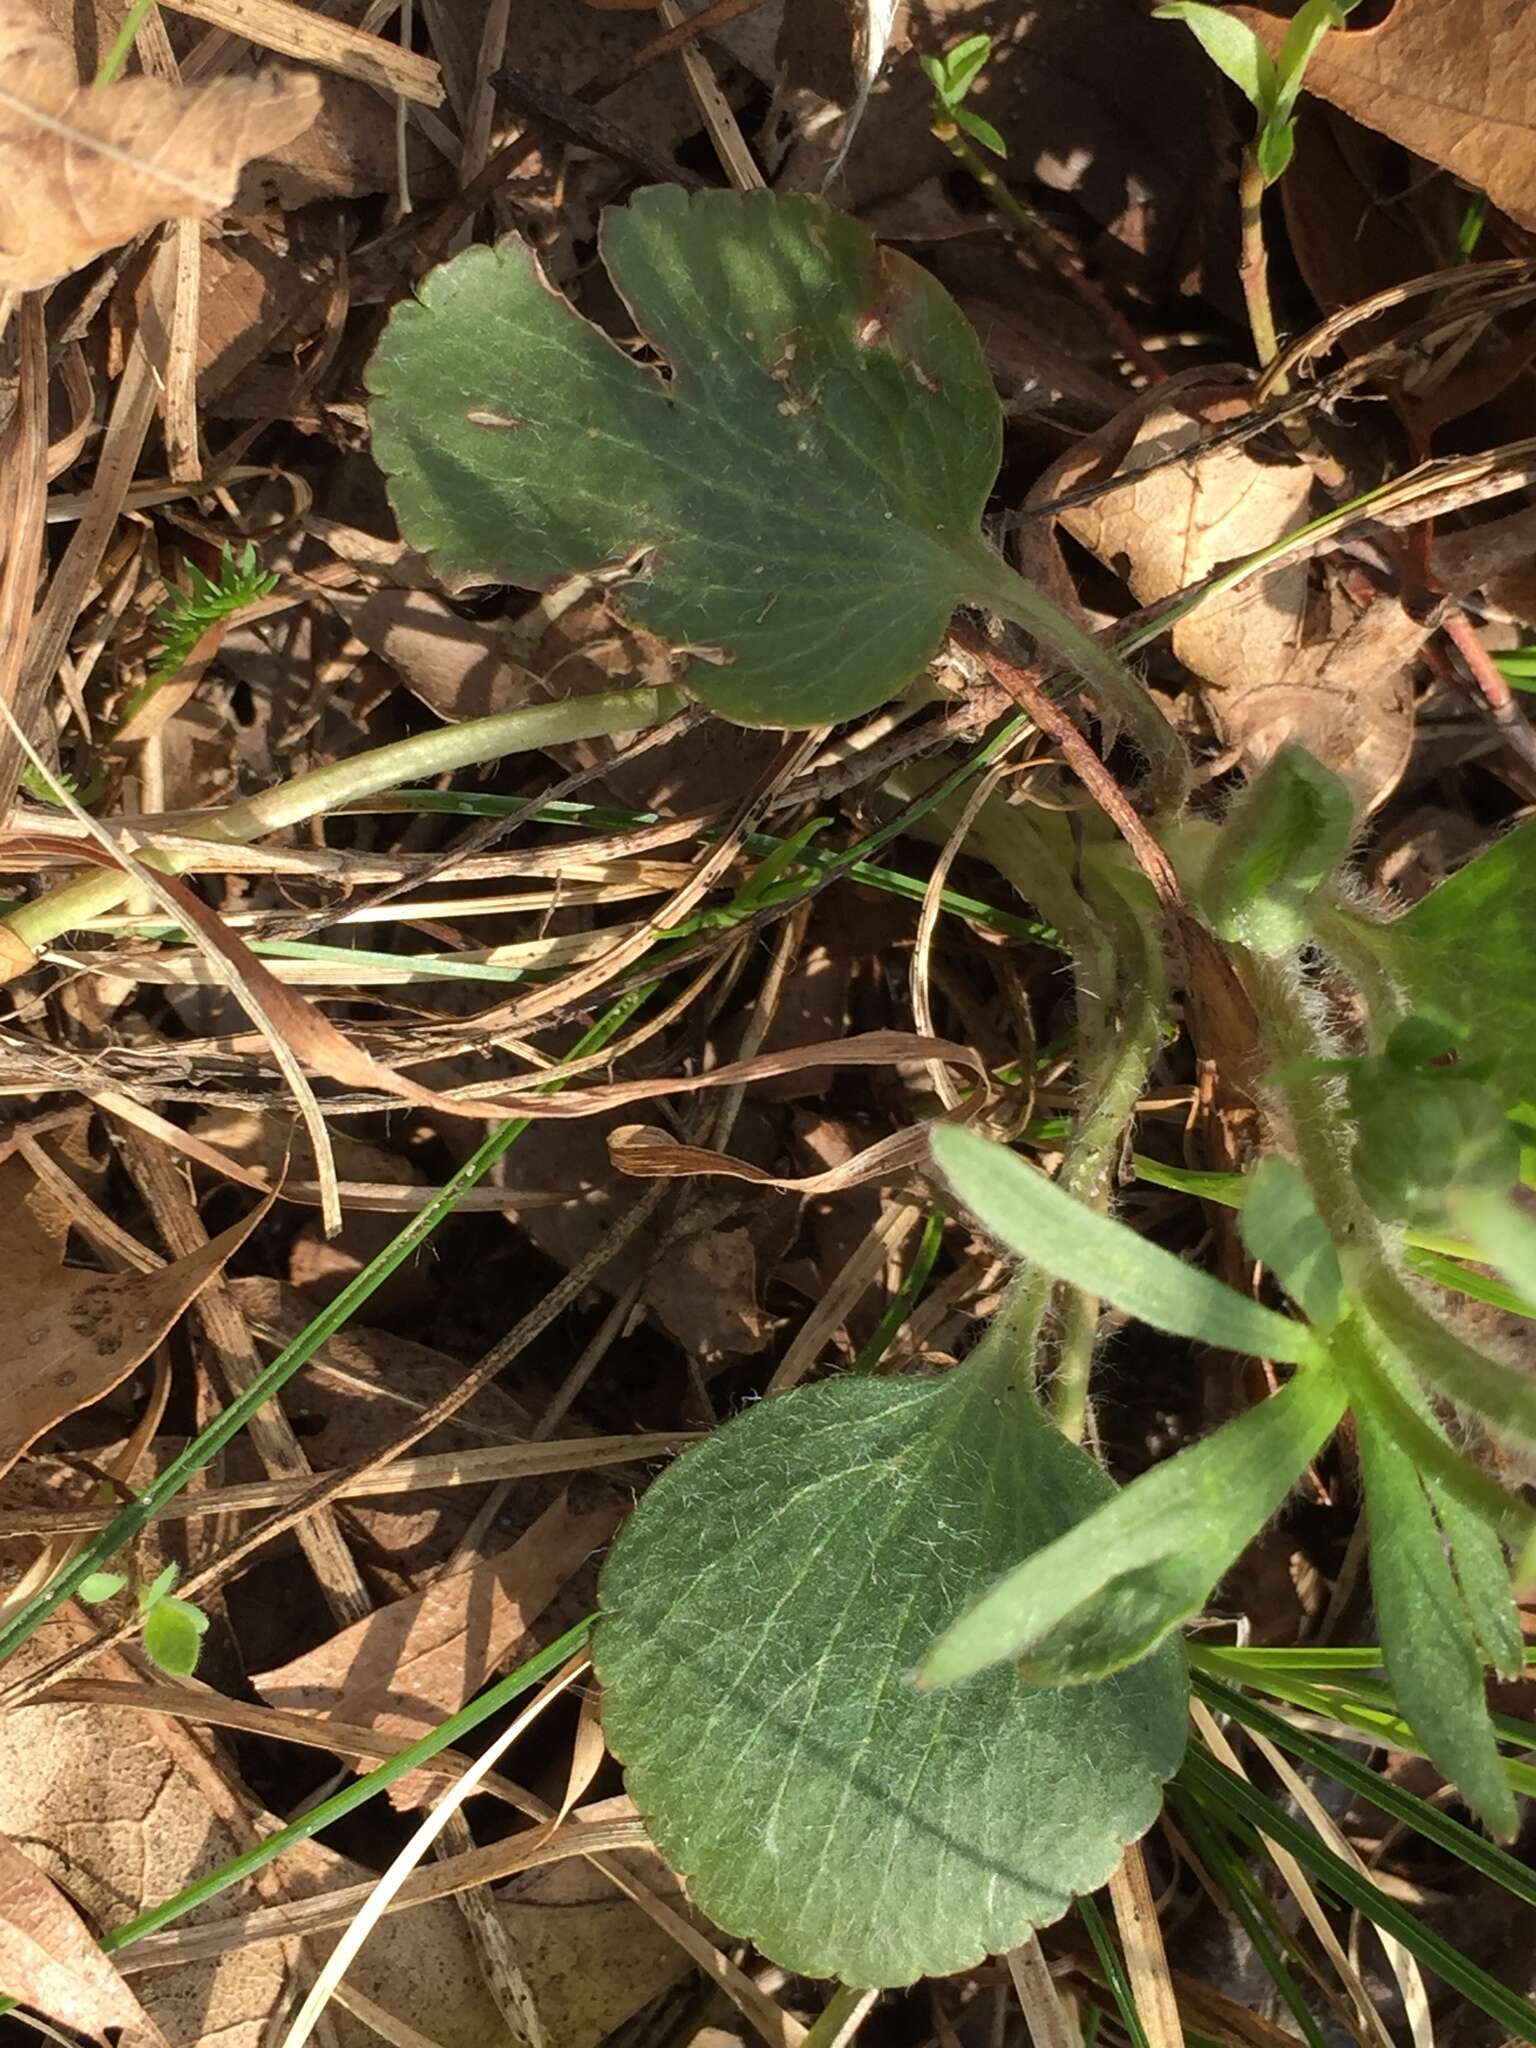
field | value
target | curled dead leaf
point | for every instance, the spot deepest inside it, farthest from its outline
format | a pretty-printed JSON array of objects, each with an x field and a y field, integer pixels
[
  {"x": 83, "y": 170},
  {"x": 1270, "y": 669}
]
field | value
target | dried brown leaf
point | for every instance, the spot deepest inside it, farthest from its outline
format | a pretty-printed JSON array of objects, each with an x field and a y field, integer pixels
[
  {"x": 1452, "y": 80},
  {"x": 74, "y": 1335},
  {"x": 48, "y": 1957},
  {"x": 83, "y": 170},
  {"x": 1268, "y": 675},
  {"x": 409, "y": 1665},
  {"x": 106, "y": 1807}
]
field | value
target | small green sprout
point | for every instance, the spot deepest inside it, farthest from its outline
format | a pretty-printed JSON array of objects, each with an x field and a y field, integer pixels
[
  {"x": 186, "y": 615},
  {"x": 173, "y": 1629},
  {"x": 1271, "y": 86},
  {"x": 952, "y": 77}
]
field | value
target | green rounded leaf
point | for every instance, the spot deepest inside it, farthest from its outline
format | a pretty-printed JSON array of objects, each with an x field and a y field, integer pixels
[
  {"x": 800, "y": 497},
  {"x": 761, "y": 1617},
  {"x": 173, "y": 1636}
]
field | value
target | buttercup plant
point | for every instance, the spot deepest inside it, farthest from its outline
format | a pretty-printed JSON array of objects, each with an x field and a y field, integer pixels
[{"x": 894, "y": 1669}]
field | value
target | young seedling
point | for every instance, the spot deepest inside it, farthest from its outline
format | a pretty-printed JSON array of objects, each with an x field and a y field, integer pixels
[
  {"x": 1272, "y": 87},
  {"x": 893, "y": 1668},
  {"x": 187, "y": 615},
  {"x": 173, "y": 1629}
]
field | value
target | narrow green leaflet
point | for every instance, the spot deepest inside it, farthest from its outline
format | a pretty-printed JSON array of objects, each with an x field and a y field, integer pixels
[
  {"x": 1502, "y": 1234},
  {"x": 1427, "y": 1637},
  {"x": 761, "y": 1617},
  {"x": 1285, "y": 837},
  {"x": 1282, "y": 1229},
  {"x": 1310, "y": 23},
  {"x": 1231, "y": 46},
  {"x": 1109, "y": 1590},
  {"x": 800, "y": 498},
  {"x": 1034, "y": 1218},
  {"x": 1477, "y": 1550},
  {"x": 1463, "y": 955}
]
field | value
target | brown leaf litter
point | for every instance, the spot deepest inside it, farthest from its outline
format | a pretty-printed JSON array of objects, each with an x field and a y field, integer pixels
[
  {"x": 1270, "y": 668},
  {"x": 83, "y": 170},
  {"x": 72, "y": 1336},
  {"x": 49, "y": 1959},
  {"x": 411, "y": 1664}
]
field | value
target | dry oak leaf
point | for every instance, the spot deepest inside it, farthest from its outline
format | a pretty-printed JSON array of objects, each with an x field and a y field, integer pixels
[
  {"x": 49, "y": 1960},
  {"x": 1452, "y": 80},
  {"x": 83, "y": 170},
  {"x": 72, "y": 1336},
  {"x": 1342, "y": 693}
]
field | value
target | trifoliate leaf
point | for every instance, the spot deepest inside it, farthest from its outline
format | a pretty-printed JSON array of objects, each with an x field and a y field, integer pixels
[
  {"x": 761, "y": 1617},
  {"x": 800, "y": 496}
]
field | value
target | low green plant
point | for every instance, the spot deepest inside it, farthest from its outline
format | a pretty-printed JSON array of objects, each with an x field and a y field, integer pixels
[
  {"x": 173, "y": 1629},
  {"x": 894, "y": 1670},
  {"x": 186, "y": 615},
  {"x": 1272, "y": 87},
  {"x": 952, "y": 75}
]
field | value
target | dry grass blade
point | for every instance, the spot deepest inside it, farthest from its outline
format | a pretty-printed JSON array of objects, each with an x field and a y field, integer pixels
[
  {"x": 49, "y": 1959},
  {"x": 399, "y": 1476},
  {"x": 82, "y": 171},
  {"x": 188, "y": 910},
  {"x": 23, "y": 497},
  {"x": 309, "y": 35},
  {"x": 410, "y": 1856},
  {"x": 1145, "y": 1958},
  {"x": 1404, "y": 1966},
  {"x": 1045, "y": 2014},
  {"x": 1301, "y": 1889}
]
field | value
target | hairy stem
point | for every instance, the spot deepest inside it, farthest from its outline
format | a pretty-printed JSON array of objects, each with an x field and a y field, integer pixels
[
  {"x": 333, "y": 787},
  {"x": 1121, "y": 696}
]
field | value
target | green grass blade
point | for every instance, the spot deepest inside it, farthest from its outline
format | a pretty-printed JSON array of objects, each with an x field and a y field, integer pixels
[
  {"x": 226, "y": 1425},
  {"x": 1236, "y": 1795},
  {"x": 1374, "y": 1787}
]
